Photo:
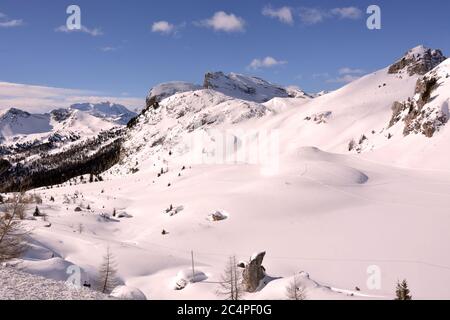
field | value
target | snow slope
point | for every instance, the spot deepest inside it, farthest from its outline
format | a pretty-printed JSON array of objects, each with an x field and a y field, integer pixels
[
  {"x": 165, "y": 90},
  {"x": 335, "y": 214}
]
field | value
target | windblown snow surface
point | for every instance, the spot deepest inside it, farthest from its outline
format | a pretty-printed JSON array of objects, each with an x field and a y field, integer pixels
[{"x": 325, "y": 213}]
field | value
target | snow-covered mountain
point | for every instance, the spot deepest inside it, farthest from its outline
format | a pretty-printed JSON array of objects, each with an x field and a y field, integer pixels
[
  {"x": 20, "y": 127},
  {"x": 177, "y": 116},
  {"x": 358, "y": 181},
  {"x": 106, "y": 110},
  {"x": 354, "y": 118},
  {"x": 165, "y": 90},
  {"x": 243, "y": 87},
  {"x": 233, "y": 85},
  {"x": 17, "y": 122},
  {"x": 79, "y": 120}
]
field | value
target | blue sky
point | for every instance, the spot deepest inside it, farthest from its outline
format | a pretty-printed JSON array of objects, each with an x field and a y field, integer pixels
[{"x": 119, "y": 54}]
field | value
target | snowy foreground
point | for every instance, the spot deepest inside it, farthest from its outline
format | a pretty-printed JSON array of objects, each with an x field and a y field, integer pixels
[
  {"x": 357, "y": 201},
  {"x": 18, "y": 285}
]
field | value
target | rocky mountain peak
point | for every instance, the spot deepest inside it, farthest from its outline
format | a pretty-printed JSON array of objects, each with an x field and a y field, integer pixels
[
  {"x": 418, "y": 61},
  {"x": 14, "y": 113}
]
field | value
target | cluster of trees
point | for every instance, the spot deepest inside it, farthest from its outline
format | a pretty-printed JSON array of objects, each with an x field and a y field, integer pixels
[{"x": 89, "y": 157}]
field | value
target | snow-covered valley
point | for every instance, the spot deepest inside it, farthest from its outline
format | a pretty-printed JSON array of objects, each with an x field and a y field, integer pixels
[{"x": 349, "y": 190}]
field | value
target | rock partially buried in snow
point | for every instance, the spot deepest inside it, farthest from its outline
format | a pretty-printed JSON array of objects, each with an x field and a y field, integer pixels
[
  {"x": 254, "y": 272},
  {"x": 184, "y": 277},
  {"x": 124, "y": 215},
  {"x": 218, "y": 216},
  {"x": 128, "y": 293}
]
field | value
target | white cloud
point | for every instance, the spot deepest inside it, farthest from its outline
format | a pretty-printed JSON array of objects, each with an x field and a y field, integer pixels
[
  {"x": 347, "y": 70},
  {"x": 163, "y": 27},
  {"x": 95, "y": 32},
  {"x": 43, "y": 99},
  {"x": 312, "y": 16},
  {"x": 5, "y": 22},
  {"x": 284, "y": 14},
  {"x": 267, "y": 62},
  {"x": 222, "y": 21},
  {"x": 347, "y": 13},
  {"x": 11, "y": 23},
  {"x": 347, "y": 78}
]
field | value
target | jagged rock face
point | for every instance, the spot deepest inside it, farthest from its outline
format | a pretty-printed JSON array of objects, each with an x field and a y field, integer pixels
[
  {"x": 243, "y": 87},
  {"x": 61, "y": 115},
  {"x": 254, "y": 272},
  {"x": 424, "y": 88},
  {"x": 416, "y": 113},
  {"x": 418, "y": 61}
]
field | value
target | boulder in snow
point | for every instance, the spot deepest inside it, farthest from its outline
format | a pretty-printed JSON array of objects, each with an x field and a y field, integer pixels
[
  {"x": 254, "y": 272},
  {"x": 127, "y": 293},
  {"x": 218, "y": 216},
  {"x": 184, "y": 277}
]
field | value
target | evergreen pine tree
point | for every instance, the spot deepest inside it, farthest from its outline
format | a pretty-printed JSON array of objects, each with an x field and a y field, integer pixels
[{"x": 402, "y": 292}]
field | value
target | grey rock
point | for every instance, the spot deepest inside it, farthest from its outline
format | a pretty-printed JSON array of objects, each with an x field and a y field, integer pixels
[
  {"x": 254, "y": 272},
  {"x": 418, "y": 61}
]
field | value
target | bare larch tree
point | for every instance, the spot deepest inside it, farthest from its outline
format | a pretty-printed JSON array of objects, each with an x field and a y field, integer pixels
[
  {"x": 231, "y": 282},
  {"x": 107, "y": 279},
  {"x": 294, "y": 291},
  {"x": 11, "y": 228}
]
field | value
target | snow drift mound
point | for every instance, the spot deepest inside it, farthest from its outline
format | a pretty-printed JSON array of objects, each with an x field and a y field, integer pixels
[
  {"x": 333, "y": 174},
  {"x": 55, "y": 268},
  {"x": 327, "y": 168}
]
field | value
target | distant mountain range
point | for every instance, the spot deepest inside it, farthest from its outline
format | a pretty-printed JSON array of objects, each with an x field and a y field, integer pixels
[{"x": 83, "y": 119}]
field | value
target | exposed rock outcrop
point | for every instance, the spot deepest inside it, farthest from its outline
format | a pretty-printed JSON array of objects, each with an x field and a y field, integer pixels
[
  {"x": 418, "y": 114},
  {"x": 418, "y": 61},
  {"x": 254, "y": 272}
]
